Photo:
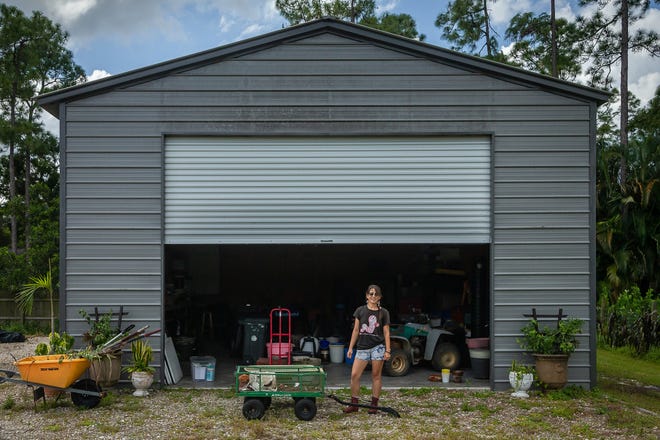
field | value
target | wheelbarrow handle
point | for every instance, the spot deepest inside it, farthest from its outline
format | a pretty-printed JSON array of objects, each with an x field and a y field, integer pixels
[{"x": 386, "y": 409}]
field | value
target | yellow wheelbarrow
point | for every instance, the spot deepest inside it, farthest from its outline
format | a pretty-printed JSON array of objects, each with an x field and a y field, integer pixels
[{"x": 58, "y": 372}]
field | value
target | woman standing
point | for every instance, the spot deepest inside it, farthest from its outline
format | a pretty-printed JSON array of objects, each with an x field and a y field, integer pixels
[{"x": 371, "y": 339}]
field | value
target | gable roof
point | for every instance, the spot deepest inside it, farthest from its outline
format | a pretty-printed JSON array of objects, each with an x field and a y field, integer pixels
[{"x": 52, "y": 100}]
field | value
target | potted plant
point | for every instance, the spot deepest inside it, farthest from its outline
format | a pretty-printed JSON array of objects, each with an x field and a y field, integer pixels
[
  {"x": 57, "y": 344},
  {"x": 521, "y": 378},
  {"x": 142, "y": 374},
  {"x": 104, "y": 368},
  {"x": 551, "y": 348}
]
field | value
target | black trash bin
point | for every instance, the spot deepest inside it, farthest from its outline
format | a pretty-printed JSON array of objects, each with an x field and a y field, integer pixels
[
  {"x": 480, "y": 360},
  {"x": 254, "y": 338}
]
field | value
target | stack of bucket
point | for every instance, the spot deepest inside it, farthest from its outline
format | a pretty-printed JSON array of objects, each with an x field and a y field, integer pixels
[{"x": 479, "y": 357}]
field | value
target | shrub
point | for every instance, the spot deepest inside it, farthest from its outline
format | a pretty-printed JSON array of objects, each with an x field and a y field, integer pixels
[
  {"x": 551, "y": 340},
  {"x": 632, "y": 320}
]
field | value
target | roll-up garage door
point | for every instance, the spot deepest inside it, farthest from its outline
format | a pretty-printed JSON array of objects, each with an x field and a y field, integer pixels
[{"x": 327, "y": 190}]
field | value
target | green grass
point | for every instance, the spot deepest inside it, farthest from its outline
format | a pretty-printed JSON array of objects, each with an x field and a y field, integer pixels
[
  {"x": 628, "y": 390},
  {"x": 613, "y": 363}
]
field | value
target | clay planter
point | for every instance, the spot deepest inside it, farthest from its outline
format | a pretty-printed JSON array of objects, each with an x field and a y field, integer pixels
[
  {"x": 552, "y": 370},
  {"x": 106, "y": 370}
]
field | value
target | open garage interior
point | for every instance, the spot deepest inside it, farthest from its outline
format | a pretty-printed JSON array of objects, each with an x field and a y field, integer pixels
[{"x": 212, "y": 289}]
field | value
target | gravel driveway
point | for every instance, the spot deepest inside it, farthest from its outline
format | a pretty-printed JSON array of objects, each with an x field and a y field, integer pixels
[{"x": 206, "y": 414}]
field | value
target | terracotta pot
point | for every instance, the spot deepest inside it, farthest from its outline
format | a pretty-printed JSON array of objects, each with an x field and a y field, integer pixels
[
  {"x": 141, "y": 381},
  {"x": 552, "y": 370},
  {"x": 52, "y": 393}
]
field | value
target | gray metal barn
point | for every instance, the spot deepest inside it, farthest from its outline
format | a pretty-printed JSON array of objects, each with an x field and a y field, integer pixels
[{"x": 298, "y": 166}]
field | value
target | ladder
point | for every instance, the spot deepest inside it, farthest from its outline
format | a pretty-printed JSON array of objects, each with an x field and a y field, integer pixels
[{"x": 280, "y": 336}]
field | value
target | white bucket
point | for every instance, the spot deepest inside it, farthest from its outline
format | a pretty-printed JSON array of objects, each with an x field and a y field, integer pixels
[{"x": 336, "y": 353}]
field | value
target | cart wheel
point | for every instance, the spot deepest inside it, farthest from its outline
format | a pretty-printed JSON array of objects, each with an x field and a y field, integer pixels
[
  {"x": 266, "y": 401},
  {"x": 253, "y": 409},
  {"x": 82, "y": 399},
  {"x": 305, "y": 409}
]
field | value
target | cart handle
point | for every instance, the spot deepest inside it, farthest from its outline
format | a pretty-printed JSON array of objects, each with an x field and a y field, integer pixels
[{"x": 386, "y": 409}]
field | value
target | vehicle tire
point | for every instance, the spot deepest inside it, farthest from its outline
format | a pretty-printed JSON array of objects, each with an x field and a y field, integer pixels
[
  {"x": 305, "y": 409},
  {"x": 265, "y": 400},
  {"x": 399, "y": 363},
  {"x": 82, "y": 399},
  {"x": 253, "y": 409},
  {"x": 446, "y": 355}
]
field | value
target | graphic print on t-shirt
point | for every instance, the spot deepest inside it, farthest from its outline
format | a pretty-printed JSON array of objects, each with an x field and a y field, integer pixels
[{"x": 371, "y": 328}]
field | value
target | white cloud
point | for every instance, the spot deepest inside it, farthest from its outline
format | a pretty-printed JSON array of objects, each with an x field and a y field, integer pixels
[
  {"x": 644, "y": 88},
  {"x": 225, "y": 24},
  {"x": 98, "y": 74},
  {"x": 502, "y": 11},
  {"x": 386, "y": 6},
  {"x": 250, "y": 31},
  {"x": 51, "y": 123}
]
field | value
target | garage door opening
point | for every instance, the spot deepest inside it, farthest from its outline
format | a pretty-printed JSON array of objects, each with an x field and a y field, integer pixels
[{"x": 212, "y": 289}]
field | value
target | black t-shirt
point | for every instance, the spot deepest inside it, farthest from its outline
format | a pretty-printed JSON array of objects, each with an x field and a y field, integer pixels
[{"x": 371, "y": 326}]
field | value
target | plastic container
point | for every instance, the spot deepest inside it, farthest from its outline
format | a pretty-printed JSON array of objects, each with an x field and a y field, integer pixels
[
  {"x": 336, "y": 353},
  {"x": 445, "y": 375},
  {"x": 480, "y": 359},
  {"x": 349, "y": 361},
  {"x": 199, "y": 366},
  {"x": 210, "y": 373},
  {"x": 278, "y": 349},
  {"x": 477, "y": 342}
]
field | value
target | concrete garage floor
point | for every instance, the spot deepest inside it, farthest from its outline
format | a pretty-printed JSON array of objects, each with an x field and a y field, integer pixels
[{"x": 338, "y": 376}]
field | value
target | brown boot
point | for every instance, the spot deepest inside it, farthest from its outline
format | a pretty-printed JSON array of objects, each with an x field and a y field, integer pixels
[
  {"x": 352, "y": 408},
  {"x": 374, "y": 402}
]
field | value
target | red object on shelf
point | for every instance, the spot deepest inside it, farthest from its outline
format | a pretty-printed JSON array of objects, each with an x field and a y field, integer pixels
[{"x": 280, "y": 336}]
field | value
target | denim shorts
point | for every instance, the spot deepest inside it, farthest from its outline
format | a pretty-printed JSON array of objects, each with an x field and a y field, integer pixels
[{"x": 376, "y": 353}]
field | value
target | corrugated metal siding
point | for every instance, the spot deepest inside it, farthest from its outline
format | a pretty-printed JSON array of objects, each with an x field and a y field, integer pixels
[
  {"x": 330, "y": 85},
  {"x": 341, "y": 190}
]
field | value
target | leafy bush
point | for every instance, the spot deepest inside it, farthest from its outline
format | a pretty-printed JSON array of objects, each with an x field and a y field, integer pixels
[
  {"x": 631, "y": 320},
  {"x": 551, "y": 340}
]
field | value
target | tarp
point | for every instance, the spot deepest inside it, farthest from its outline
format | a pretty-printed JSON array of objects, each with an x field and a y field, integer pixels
[{"x": 6, "y": 337}]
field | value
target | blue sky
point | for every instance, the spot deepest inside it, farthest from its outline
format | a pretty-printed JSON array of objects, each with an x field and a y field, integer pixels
[{"x": 115, "y": 36}]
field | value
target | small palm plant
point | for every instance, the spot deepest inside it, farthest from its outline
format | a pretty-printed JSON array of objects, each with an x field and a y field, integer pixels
[{"x": 41, "y": 283}]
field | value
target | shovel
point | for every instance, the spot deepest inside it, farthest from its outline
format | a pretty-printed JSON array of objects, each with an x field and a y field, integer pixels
[{"x": 386, "y": 409}]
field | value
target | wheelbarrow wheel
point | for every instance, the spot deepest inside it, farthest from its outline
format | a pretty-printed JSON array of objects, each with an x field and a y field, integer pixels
[
  {"x": 253, "y": 409},
  {"x": 305, "y": 409},
  {"x": 82, "y": 399}
]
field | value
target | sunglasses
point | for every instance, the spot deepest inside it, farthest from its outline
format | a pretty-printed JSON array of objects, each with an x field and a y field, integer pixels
[{"x": 372, "y": 294}]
